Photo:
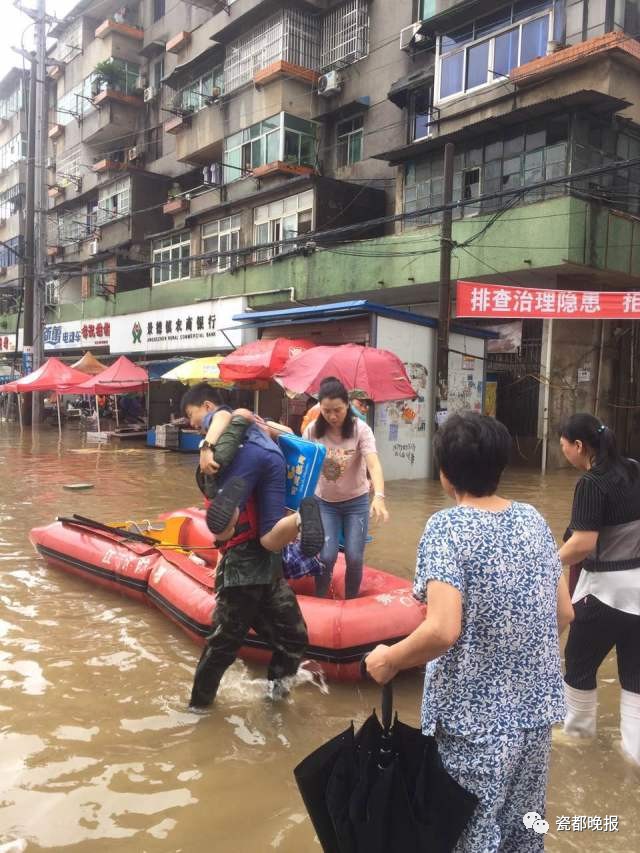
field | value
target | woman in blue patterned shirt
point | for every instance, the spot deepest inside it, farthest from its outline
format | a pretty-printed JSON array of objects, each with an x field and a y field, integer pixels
[{"x": 497, "y": 602}]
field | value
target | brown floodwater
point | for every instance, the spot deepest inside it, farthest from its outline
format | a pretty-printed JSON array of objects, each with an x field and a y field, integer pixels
[{"x": 96, "y": 751}]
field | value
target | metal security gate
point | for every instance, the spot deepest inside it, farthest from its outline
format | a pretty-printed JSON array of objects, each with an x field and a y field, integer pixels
[{"x": 518, "y": 379}]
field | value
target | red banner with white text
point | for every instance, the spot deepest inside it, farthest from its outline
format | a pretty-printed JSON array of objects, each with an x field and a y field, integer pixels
[{"x": 474, "y": 299}]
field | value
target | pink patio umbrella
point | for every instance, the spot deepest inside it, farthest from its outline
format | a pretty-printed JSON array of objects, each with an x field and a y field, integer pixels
[{"x": 377, "y": 372}]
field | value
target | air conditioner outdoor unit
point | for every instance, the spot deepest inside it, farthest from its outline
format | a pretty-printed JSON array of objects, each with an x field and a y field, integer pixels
[
  {"x": 51, "y": 162},
  {"x": 409, "y": 37},
  {"x": 94, "y": 247},
  {"x": 132, "y": 154},
  {"x": 141, "y": 83},
  {"x": 330, "y": 84},
  {"x": 149, "y": 94}
]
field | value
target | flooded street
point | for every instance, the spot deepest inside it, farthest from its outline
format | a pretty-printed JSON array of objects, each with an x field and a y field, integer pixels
[{"x": 96, "y": 752}]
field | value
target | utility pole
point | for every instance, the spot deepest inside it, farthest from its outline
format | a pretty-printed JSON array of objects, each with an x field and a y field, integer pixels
[
  {"x": 41, "y": 197},
  {"x": 36, "y": 203},
  {"x": 444, "y": 314},
  {"x": 29, "y": 275}
]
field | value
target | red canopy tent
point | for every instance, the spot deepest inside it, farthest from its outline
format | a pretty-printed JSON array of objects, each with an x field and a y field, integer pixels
[
  {"x": 122, "y": 377},
  {"x": 53, "y": 375}
]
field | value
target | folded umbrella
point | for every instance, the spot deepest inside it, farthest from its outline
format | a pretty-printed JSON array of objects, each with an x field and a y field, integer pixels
[{"x": 383, "y": 789}]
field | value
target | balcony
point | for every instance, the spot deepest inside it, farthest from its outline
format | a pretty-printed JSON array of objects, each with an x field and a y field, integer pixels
[
  {"x": 175, "y": 206},
  {"x": 179, "y": 42},
  {"x": 103, "y": 167},
  {"x": 111, "y": 27},
  {"x": 114, "y": 119},
  {"x": 56, "y": 193},
  {"x": 285, "y": 69},
  {"x": 177, "y": 124},
  {"x": 233, "y": 19},
  {"x": 601, "y": 74},
  {"x": 280, "y": 168},
  {"x": 200, "y": 136},
  {"x": 117, "y": 97}
]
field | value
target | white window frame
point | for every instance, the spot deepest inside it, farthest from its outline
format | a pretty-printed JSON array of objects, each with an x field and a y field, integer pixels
[
  {"x": 276, "y": 124},
  {"x": 170, "y": 251},
  {"x": 68, "y": 167},
  {"x": 273, "y": 215},
  {"x": 215, "y": 235},
  {"x": 52, "y": 291},
  {"x": 13, "y": 151},
  {"x": 118, "y": 192},
  {"x": 499, "y": 79},
  {"x": 13, "y": 102}
]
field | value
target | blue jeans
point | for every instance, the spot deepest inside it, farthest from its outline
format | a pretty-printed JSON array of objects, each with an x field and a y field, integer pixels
[{"x": 352, "y": 517}]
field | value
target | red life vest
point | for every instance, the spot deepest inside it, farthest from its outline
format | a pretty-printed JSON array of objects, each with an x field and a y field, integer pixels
[{"x": 246, "y": 526}]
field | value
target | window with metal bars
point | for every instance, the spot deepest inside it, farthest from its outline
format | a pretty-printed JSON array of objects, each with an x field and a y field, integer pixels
[
  {"x": 291, "y": 36},
  {"x": 11, "y": 201},
  {"x": 345, "y": 35},
  {"x": 11, "y": 252}
]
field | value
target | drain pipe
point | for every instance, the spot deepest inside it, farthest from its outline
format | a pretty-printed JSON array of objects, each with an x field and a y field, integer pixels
[
  {"x": 599, "y": 376},
  {"x": 546, "y": 402}
]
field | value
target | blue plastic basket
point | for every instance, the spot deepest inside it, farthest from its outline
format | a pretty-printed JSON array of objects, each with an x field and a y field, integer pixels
[{"x": 304, "y": 464}]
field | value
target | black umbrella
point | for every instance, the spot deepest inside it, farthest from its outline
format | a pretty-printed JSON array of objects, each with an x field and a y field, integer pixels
[{"x": 383, "y": 789}]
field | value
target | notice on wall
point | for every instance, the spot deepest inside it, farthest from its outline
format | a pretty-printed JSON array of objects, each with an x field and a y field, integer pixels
[
  {"x": 201, "y": 326},
  {"x": 491, "y": 300}
]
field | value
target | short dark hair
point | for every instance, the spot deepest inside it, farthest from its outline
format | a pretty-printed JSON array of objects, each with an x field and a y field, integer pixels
[
  {"x": 602, "y": 441},
  {"x": 201, "y": 394},
  {"x": 472, "y": 451},
  {"x": 332, "y": 389}
]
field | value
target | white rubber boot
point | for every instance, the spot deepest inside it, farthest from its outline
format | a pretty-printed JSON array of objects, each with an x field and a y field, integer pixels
[
  {"x": 630, "y": 724},
  {"x": 582, "y": 709}
]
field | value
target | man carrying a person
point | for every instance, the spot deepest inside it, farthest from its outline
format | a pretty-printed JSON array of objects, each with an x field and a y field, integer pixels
[{"x": 247, "y": 514}]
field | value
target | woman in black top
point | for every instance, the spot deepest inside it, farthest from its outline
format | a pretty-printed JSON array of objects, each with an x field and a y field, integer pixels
[{"x": 605, "y": 539}]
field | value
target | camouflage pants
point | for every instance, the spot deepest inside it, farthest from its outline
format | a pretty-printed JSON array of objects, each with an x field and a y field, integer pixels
[{"x": 273, "y": 612}]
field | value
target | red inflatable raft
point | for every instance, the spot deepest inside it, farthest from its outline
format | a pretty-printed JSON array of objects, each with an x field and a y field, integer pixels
[{"x": 176, "y": 574}]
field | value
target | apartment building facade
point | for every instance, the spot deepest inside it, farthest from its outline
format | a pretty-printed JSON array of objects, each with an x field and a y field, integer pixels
[
  {"x": 186, "y": 136},
  {"x": 14, "y": 90},
  {"x": 530, "y": 92}
]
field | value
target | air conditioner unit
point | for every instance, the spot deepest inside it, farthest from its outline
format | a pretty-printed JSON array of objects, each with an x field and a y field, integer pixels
[
  {"x": 150, "y": 93},
  {"x": 140, "y": 84},
  {"x": 51, "y": 162},
  {"x": 133, "y": 154},
  {"x": 409, "y": 37},
  {"x": 94, "y": 247},
  {"x": 330, "y": 84}
]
